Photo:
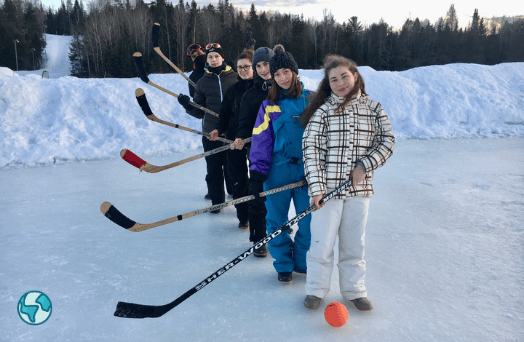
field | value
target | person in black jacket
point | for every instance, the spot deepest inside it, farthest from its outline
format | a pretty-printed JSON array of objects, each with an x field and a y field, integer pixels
[
  {"x": 227, "y": 123},
  {"x": 249, "y": 106},
  {"x": 209, "y": 92},
  {"x": 199, "y": 62}
]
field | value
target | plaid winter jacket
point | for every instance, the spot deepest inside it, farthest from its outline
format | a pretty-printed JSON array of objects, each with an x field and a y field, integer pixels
[{"x": 334, "y": 143}]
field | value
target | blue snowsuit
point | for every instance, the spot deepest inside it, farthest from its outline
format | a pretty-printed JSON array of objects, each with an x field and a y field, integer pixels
[{"x": 276, "y": 151}]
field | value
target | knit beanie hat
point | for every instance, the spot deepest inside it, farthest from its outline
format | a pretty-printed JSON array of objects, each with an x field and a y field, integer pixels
[
  {"x": 215, "y": 48},
  {"x": 282, "y": 60},
  {"x": 262, "y": 54}
]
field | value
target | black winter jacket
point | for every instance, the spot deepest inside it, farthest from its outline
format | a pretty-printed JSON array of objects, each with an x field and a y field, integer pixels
[
  {"x": 228, "y": 121},
  {"x": 249, "y": 106},
  {"x": 198, "y": 72},
  {"x": 209, "y": 92}
]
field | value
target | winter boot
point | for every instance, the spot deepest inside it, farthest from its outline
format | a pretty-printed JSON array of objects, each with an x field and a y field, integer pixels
[
  {"x": 261, "y": 252},
  {"x": 363, "y": 304},
  {"x": 285, "y": 277},
  {"x": 312, "y": 302},
  {"x": 243, "y": 225}
]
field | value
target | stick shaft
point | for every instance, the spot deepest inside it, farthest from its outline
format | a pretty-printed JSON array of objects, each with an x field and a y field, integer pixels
[
  {"x": 123, "y": 221},
  {"x": 132, "y": 310}
]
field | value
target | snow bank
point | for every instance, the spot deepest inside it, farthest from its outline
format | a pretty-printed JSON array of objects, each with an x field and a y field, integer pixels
[{"x": 44, "y": 121}]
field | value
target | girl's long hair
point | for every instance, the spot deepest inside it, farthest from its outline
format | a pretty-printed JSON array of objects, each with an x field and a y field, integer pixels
[
  {"x": 295, "y": 90},
  {"x": 318, "y": 98}
]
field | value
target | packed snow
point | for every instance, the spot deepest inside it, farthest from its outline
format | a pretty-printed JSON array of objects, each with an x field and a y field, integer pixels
[
  {"x": 48, "y": 121},
  {"x": 444, "y": 240}
]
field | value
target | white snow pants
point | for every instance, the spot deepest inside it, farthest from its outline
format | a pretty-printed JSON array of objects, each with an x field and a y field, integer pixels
[{"x": 347, "y": 218}]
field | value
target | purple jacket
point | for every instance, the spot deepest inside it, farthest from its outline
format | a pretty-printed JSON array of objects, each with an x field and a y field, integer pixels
[{"x": 277, "y": 135}]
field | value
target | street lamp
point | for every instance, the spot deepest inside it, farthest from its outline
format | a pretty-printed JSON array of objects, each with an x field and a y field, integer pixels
[{"x": 16, "y": 54}]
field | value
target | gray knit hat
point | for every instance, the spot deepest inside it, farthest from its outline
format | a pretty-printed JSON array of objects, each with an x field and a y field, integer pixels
[
  {"x": 262, "y": 54},
  {"x": 282, "y": 60}
]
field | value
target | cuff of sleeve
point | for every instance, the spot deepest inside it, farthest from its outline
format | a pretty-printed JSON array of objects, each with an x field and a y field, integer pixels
[
  {"x": 257, "y": 176},
  {"x": 368, "y": 166},
  {"x": 316, "y": 189},
  {"x": 361, "y": 163}
]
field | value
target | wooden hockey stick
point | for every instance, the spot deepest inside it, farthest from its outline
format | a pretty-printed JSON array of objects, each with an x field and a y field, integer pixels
[
  {"x": 139, "y": 66},
  {"x": 141, "y": 164},
  {"x": 133, "y": 310},
  {"x": 123, "y": 221},
  {"x": 154, "y": 39},
  {"x": 142, "y": 102}
]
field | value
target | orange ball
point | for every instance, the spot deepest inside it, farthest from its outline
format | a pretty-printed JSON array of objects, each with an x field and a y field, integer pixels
[{"x": 336, "y": 314}]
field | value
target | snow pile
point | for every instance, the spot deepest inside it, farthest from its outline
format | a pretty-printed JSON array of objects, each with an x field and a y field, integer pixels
[{"x": 44, "y": 121}]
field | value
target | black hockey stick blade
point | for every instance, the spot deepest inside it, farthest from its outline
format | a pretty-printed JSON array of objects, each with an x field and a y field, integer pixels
[
  {"x": 142, "y": 102},
  {"x": 116, "y": 216},
  {"x": 131, "y": 310},
  {"x": 155, "y": 32},
  {"x": 139, "y": 66}
]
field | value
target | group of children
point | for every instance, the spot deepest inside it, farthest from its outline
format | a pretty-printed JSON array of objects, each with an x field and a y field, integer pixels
[{"x": 325, "y": 137}]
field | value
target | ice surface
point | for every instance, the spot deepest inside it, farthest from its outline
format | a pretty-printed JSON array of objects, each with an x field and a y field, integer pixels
[
  {"x": 444, "y": 245},
  {"x": 444, "y": 253}
]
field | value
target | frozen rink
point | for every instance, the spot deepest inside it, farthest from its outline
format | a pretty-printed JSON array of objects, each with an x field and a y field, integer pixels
[{"x": 444, "y": 251}]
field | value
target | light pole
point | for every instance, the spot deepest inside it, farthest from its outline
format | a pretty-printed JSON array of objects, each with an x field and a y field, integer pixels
[{"x": 16, "y": 54}]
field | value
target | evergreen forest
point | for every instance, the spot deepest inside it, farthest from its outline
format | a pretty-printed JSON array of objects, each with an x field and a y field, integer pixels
[{"x": 107, "y": 32}]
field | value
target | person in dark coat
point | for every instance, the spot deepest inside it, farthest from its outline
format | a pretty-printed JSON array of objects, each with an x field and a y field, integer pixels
[
  {"x": 227, "y": 123},
  {"x": 209, "y": 92},
  {"x": 199, "y": 62},
  {"x": 249, "y": 106}
]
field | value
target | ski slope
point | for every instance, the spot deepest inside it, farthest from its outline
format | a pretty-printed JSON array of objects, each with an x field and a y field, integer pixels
[{"x": 56, "y": 57}]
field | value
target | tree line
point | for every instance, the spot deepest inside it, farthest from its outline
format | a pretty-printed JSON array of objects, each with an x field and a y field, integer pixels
[{"x": 108, "y": 32}]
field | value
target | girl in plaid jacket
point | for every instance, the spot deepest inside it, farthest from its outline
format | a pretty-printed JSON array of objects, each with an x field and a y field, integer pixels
[{"x": 347, "y": 135}]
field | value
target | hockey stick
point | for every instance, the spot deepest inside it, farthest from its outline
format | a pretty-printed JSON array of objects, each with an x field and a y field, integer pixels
[
  {"x": 140, "y": 163},
  {"x": 123, "y": 221},
  {"x": 139, "y": 66},
  {"x": 154, "y": 39},
  {"x": 131, "y": 310},
  {"x": 142, "y": 102}
]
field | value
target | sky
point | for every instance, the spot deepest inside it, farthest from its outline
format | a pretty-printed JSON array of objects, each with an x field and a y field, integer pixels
[
  {"x": 444, "y": 238},
  {"x": 394, "y": 13}
]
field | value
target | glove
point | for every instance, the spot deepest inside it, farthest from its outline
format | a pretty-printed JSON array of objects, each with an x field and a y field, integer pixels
[
  {"x": 256, "y": 186},
  {"x": 184, "y": 100}
]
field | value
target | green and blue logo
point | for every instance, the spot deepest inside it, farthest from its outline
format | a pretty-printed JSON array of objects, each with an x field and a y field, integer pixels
[{"x": 34, "y": 307}]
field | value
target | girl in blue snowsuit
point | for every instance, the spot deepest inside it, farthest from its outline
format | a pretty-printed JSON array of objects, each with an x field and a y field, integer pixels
[{"x": 276, "y": 156}]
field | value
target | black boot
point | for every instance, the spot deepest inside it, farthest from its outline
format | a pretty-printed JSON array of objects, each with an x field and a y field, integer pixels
[
  {"x": 285, "y": 277},
  {"x": 261, "y": 252}
]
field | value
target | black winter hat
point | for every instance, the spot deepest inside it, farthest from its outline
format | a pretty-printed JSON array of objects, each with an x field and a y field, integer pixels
[
  {"x": 282, "y": 60},
  {"x": 262, "y": 54},
  {"x": 214, "y": 47}
]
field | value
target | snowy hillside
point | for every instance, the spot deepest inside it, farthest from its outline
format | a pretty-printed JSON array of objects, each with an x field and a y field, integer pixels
[
  {"x": 55, "y": 57},
  {"x": 44, "y": 121}
]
